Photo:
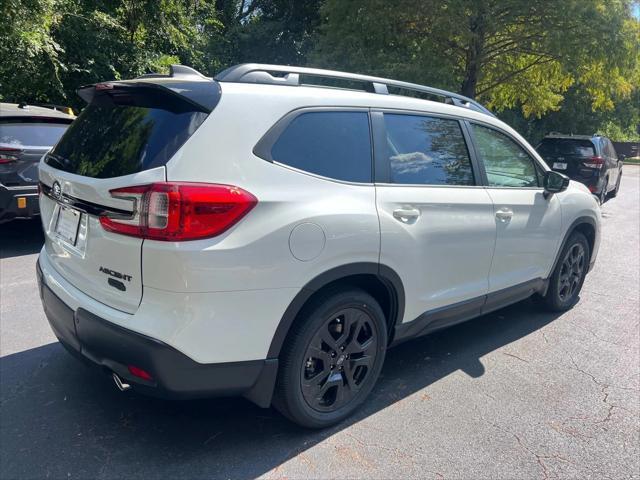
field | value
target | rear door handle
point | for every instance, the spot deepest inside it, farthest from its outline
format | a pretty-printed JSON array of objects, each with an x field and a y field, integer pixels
[
  {"x": 406, "y": 215},
  {"x": 504, "y": 214}
]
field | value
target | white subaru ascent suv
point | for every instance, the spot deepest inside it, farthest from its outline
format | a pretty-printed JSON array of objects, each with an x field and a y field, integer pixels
[{"x": 266, "y": 234}]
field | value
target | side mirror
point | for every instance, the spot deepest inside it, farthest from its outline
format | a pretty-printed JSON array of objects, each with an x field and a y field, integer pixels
[
  {"x": 554, "y": 182},
  {"x": 621, "y": 157}
]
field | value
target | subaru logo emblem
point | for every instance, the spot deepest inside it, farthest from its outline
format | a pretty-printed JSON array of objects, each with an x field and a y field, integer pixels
[{"x": 56, "y": 190}]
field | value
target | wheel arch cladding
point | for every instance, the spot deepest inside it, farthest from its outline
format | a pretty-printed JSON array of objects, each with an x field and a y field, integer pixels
[
  {"x": 584, "y": 225},
  {"x": 380, "y": 281},
  {"x": 588, "y": 230}
]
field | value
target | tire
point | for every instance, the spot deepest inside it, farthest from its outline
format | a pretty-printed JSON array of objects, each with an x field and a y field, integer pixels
[
  {"x": 603, "y": 193},
  {"x": 568, "y": 276},
  {"x": 327, "y": 370},
  {"x": 614, "y": 193}
]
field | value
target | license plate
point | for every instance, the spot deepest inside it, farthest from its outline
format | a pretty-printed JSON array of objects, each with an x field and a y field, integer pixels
[
  {"x": 560, "y": 166},
  {"x": 67, "y": 225}
]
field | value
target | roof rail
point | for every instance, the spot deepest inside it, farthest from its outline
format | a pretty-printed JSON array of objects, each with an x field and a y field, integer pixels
[{"x": 261, "y": 73}]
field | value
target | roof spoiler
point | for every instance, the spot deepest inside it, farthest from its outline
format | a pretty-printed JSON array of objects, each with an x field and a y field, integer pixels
[{"x": 189, "y": 84}]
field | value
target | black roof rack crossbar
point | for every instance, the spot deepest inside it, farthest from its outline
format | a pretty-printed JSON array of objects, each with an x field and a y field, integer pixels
[{"x": 261, "y": 73}]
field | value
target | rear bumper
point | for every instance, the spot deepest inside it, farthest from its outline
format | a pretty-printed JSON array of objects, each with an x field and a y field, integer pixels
[
  {"x": 176, "y": 376},
  {"x": 10, "y": 207}
]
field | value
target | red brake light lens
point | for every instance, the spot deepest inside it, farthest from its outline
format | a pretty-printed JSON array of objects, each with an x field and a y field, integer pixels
[
  {"x": 178, "y": 211},
  {"x": 9, "y": 155},
  {"x": 594, "y": 162},
  {"x": 140, "y": 373}
]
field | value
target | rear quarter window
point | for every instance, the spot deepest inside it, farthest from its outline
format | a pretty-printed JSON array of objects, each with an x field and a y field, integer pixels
[{"x": 335, "y": 145}]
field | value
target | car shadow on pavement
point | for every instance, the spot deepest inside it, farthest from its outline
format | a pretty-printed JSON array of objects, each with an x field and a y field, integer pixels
[
  {"x": 21, "y": 237},
  {"x": 58, "y": 418}
]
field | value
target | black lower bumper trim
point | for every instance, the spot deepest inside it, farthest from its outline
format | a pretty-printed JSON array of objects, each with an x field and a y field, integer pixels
[
  {"x": 9, "y": 206},
  {"x": 440, "y": 318},
  {"x": 174, "y": 374}
]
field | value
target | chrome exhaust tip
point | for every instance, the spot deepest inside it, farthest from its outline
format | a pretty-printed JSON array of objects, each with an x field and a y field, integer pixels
[{"x": 122, "y": 386}]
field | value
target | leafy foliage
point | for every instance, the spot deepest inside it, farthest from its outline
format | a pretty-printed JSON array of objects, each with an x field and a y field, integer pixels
[
  {"x": 510, "y": 54},
  {"x": 560, "y": 64}
]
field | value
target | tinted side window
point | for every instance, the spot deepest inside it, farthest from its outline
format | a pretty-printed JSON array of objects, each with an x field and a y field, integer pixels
[
  {"x": 332, "y": 144},
  {"x": 427, "y": 151},
  {"x": 506, "y": 162}
]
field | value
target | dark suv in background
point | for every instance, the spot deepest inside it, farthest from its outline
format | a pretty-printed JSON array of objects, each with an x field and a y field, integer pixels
[
  {"x": 26, "y": 133},
  {"x": 591, "y": 160}
]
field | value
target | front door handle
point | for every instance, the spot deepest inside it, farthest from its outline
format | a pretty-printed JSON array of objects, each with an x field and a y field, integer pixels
[
  {"x": 504, "y": 214},
  {"x": 406, "y": 215}
]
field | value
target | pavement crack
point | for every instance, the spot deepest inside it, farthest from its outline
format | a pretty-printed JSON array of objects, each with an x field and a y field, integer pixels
[
  {"x": 544, "y": 337},
  {"x": 608, "y": 416},
  {"x": 604, "y": 391},
  {"x": 541, "y": 460},
  {"x": 601, "y": 339},
  {"x": 515, "y": 356},
  {"x": 598, "y": 382}
]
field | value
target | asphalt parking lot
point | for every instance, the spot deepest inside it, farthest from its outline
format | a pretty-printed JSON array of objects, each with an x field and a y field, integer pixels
[{"x": 515, "y": 394}]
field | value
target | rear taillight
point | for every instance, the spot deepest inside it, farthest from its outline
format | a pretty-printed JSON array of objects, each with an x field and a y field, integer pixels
[
  {"x": 177, "y": 211},
  {"x": 9, "y": 155},
  {"x": 594, "y": 162}
]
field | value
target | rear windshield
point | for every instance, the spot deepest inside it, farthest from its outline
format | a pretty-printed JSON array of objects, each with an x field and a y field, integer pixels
[
  {"x": 558, "y": 146},
  {"x": 20, "y": 134},
  {"x": 125, "y": 131}
]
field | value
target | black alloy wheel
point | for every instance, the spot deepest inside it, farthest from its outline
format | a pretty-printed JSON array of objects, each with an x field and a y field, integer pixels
[
  {"x": 339, "y": 359},
  {"x": 568, "y": 276},
  {"x": 571, "y": 272},
  {"x": 331, "y": 358}
]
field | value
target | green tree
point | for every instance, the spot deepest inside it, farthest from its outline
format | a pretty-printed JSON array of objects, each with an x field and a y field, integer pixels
[
  {"x": 54, "y": 46},
  {"x": 507, "y": 53},
  {"x": 50, "y": 47},
  {"x": 29, "y": 55},
  {"x": 267, "y": 31}
]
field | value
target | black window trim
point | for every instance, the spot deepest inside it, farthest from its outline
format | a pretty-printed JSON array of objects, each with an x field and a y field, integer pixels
[
  {"x": 262, "y": 149},
  {"x": 538, "y": 165},
  {"x": 382, "y": 171},
  {"x": 36, "y": 120}
]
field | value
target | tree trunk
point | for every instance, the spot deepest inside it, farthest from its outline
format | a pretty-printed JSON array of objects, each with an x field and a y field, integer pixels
[
  {"x": 471, "y": 73},
  {"x": 475, "y": 52}
]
